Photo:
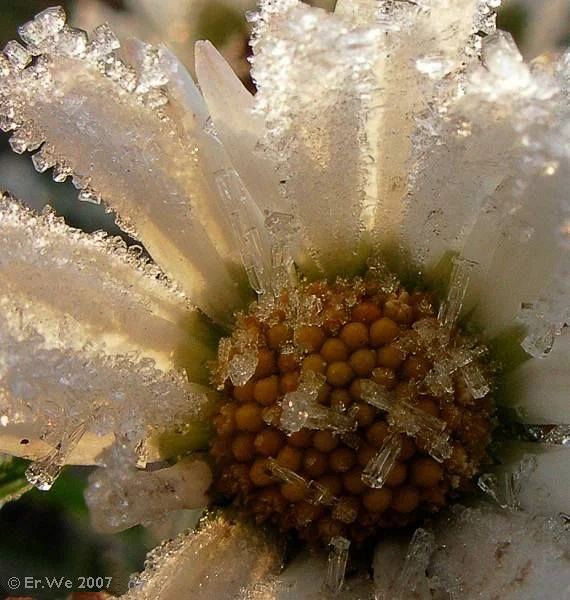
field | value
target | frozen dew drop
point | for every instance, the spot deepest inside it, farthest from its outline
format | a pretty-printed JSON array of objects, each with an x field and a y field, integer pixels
[
  {"x": 72, "y": 43},
  {"x": 337, "y": 561},
  {"x": 102, "y": 42},
  {"x": 61, "y": 172},
  {"x": 46, "y": 24},
  {"x": 88, "y": 195},
  {"x": 43, "y": 160},
  {"x": 540, "y": 333}
]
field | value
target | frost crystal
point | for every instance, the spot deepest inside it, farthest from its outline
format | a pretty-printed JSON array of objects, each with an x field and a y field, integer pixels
[
  {"x": 412, "y": 581},
  {"x": 300, "y": 410},
  {"x": 377, "y": 470},
  {"x": 337, "y": 561}
]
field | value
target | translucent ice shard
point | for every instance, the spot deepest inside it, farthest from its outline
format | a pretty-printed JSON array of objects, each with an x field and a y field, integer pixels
[
  {"x": 303, "y": 578},
  {"x": 412, "y": 581},
  {"x": 220, "y": 559},
  {"x": 377, "y": 470},
  {"x": 505, "y": 487},
  {"x": 43, "y": 473},
  {"x": 476, "y": 382},
  {"x": 450, "y": 308},
  {"x": 247, "y": 223},
  {"x": 430, "y": 429},
  {"x": 377, "y": 395},
  {"x": 337, "y": 561},
  {"x": 300, "y": 410},
  {"x": 231, "y": 108},
  {"x": 286, "y": 475}
]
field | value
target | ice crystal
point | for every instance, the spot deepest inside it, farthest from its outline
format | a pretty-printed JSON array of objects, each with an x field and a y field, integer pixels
[
  {"x": 379, "y": 467},
  {"x": 338, "y": 558}
]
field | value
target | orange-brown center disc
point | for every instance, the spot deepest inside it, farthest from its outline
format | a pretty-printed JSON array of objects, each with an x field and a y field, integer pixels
[{"x": 348, "y": 408}]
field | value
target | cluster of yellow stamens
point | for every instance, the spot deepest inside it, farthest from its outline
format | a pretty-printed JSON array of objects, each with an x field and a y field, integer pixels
[{"x": 348, "y": 360}]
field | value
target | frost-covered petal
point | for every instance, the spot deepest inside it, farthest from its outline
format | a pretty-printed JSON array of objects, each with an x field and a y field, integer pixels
[
  {"x": 231, "y": 110},
  {"x": 121, "y": 495},
  {"x": 519, "y": 241},
  {"x": 131, "y": 150},
  {"x": 304, "y": 578},
  {"x": 486, "y": 553},
  {"x": 310, "y": 68},
  {"x": 58, "y": 396},
  {"x": 546, "y": 489},
  {"x": 540, "y": 389},
  {"x": 75, "y": 289},
  {"x": 219, "y": 560}
]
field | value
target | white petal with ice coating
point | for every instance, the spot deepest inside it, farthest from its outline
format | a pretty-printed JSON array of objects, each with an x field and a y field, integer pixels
[
  {"x": 76, "y": 289},
  {"x": 129, "y": 150},
  {"x": 219, "y": 560},
  {"x": 304, "y": 579},
  {"x": 487, "y": 553},
  {"x": 540, "y": 387},
  {"x": 121, "y": 495},
  {"x": 53, "y": 397}
]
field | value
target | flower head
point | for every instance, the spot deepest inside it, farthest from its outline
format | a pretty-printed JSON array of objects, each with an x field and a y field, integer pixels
[{"x": 364, "y": 278}]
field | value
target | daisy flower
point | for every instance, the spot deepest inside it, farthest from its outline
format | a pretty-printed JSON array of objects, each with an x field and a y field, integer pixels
[{"x": 354, "y": 317}]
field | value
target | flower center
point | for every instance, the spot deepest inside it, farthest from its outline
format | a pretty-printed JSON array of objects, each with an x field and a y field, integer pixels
[{"x": 348, "y": 408}]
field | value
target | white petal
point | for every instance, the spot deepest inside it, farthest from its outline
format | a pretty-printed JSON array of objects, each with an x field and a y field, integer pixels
[
  {"x": 76, "y": 289},
  {"x": 389, "y": 558},
  {"x": 136, "y": 157},
  {"x": 120, "y": 496},
  {"x": 304, "y": 64},
  {"x": 421, "y": 45},
  {"x": 303, "y": 579},
  {"x": 231, "y": 109},
  {"x": 217, "y": 561},
  {"x": 520, "y": 241},
  {"x": 53, "y": 398},
  {"x": 540, "y": 388},
  {"x": 546, "y": 491},
  {"x": 486, "y": 553}
]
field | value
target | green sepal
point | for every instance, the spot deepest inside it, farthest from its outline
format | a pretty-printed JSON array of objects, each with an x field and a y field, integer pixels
[{"x": 13, "y": 482}]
